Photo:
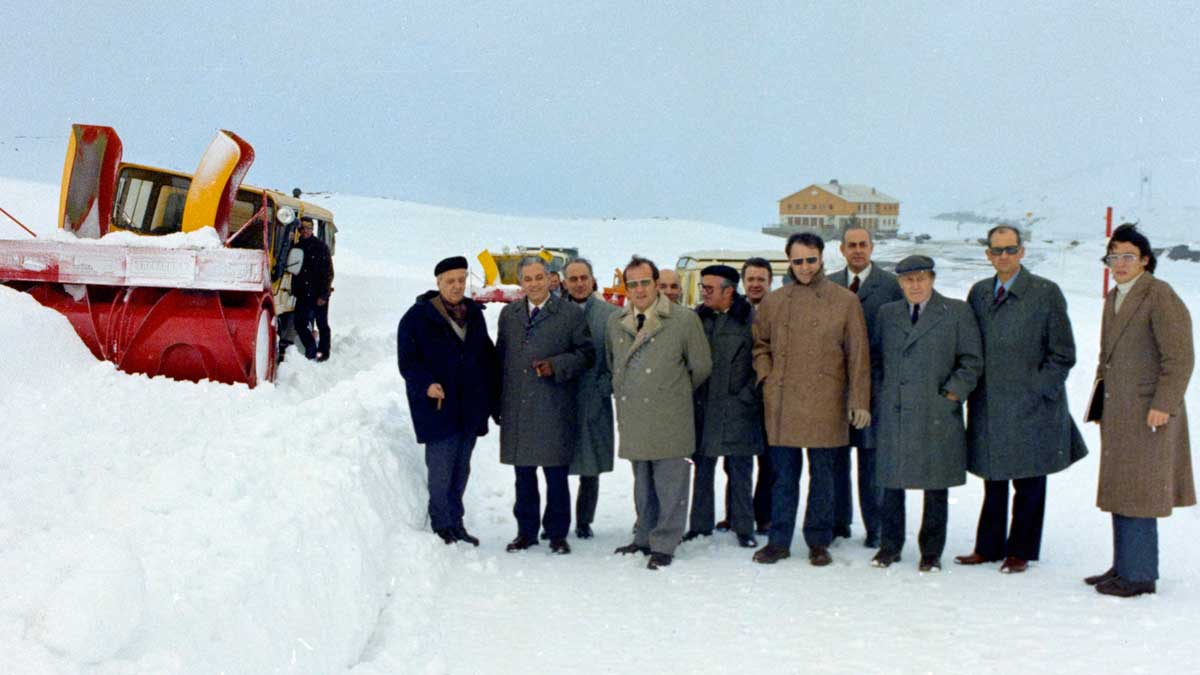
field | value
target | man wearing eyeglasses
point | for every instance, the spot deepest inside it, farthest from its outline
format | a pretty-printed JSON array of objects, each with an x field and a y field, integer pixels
[
  {"x": 728, "y": 409},
  {"x": 1019, "y": 428},
  {"x": 874, "y": 287},
  {"x": 659, "y": 356},
  {"x": 812, "y": 358}
]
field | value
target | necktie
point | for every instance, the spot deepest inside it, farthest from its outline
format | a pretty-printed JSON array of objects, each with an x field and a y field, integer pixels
[
  {"x": 534, "y": 313},
  {"x": 854, "y": 284},
  {"x": 641, "y": 320},
  {"x": 1000, "y": 295},
  {"x": 916, "y": 313}
]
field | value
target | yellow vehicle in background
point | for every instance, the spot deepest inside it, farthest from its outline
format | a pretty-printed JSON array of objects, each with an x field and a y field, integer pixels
[{"x": 689, "y": 265}]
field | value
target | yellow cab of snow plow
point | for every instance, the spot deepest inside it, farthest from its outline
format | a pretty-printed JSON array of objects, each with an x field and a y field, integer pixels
[{"x": 197, "y": 269}]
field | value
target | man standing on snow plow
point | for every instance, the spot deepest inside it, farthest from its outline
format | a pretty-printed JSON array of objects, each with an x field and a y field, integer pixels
[
  {"x": 452, "y": 377},
  {"x": 312, "y": 286}
]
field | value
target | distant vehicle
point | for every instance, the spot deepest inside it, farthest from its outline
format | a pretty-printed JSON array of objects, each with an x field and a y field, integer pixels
[
  {"x": 189, "y": 307},
  {"x": 689, "y": 265},
  {"x": 500, "y": 279}
]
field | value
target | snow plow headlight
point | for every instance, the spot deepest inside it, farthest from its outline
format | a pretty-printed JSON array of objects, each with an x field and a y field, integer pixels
[{"x": 285, "y": 214}]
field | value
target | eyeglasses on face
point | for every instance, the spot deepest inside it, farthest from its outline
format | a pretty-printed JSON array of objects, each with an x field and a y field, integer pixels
[
  {"x": 997, "y": 251},
  {"x": 1115, "y": 258},
  {"x": 640, "y": 282},
  {"x": 810, "y": 260},
  {"x": 705, "y": 288}
]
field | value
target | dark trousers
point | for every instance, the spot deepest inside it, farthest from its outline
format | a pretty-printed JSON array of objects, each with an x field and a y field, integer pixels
[
  {"x": 785, "y": 497},
  {"x": 448, "y": 465},
  {"x": 869, "y": 496},
  {"x": 763, "y": 486},
  {"x": 1024, "y": 538},
  {"x": 307, "y": 310},
  {"x": 585, "y": 500},
  {"x": 740, "y": 504},
  {"x": 936, "y": 513},
  {"x": 527, "y": 509},
  {"x": 1135, "y": 548}
]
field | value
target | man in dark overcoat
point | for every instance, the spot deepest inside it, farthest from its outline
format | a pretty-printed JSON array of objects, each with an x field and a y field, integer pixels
[
  {"x": 452, "y": 379},
  {"x": 312, "y": 286},
  {"x": 875, "y": 287},
  {"x": 1019, "y": 428},
  {"x": 544, "y": 346},
  {"x": 1146, "y": 361},
  {"x": 929, "y": 361},
  {"x": 728, "y": 408},
  {"x": 593, "y": 399},
  {"x": 756, "y": 283}
]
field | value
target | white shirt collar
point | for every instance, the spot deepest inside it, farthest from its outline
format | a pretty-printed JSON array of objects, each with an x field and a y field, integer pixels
[{"x": 862, "y": 276}]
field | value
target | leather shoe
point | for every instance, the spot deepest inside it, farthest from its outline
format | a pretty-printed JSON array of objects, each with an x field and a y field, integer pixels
[
  {"x": 973, "y": 559},
  {"x": 747, "y": 541},
  {"x": 461, "y": 534},
  {"x": 1123, "y": 588},
  {"x": 723, "y": 526},
  {"x": 1100, "y": 578},
  {"x": 1013, "y": 565},
  {"x": 764, "y": 528},
  {"x": 447, "y": 535},
  {"x": 930, "y": 563},
  {"x": 771, "y": 554},
  {"x": 628, "y": 549},
  {"x": 520, "y": 544},
  {"x": 560, "y": 546},
  {"x": 658, "y": 560},
  {"x": 818, "y": 556},
  {"x": 885, "y": 559},
  {"x": 842, "y": 531},
  {"x": 583, "y": 531},
  {"x": 696, "y": 534}
]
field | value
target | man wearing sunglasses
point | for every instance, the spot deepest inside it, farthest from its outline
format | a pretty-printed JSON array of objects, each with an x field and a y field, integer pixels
[
  {"x": 659, "y": 356},
  {"x": 1019, "y": 428},
  {"x": 812, "y": 359}
]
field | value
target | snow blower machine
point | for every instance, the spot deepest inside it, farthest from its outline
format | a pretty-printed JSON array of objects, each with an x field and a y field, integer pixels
[{"x": 167, "y": 273}]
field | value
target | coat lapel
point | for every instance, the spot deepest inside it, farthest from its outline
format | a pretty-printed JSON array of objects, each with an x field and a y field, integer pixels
[
  {"x": 935, "y": 311},
  {"x": 1119, "y": 321}
]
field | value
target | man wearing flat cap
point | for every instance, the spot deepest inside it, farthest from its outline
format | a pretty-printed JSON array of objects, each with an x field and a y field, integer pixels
[
  {"x": 728, "y": 409},
  {"x": 452, "y": 378},
  {"x": 928, "y": 358},
  {"x": 812, "y": 359}
]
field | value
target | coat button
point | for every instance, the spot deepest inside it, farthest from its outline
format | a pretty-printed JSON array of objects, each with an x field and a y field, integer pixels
[
  {"x": 647, "y": 371},
  {"x": 645, "y": 400},
  {"x": 622, "y": 398}
]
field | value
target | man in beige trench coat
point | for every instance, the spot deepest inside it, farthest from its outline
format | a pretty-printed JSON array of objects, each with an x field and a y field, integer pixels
[{"x": 1146, "y": 360}]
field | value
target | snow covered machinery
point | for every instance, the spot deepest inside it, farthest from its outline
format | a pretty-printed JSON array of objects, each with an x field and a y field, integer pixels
[{"x": 167, "y": 273}]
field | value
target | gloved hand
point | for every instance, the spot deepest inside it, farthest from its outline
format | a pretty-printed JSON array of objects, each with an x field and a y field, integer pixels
[{"x": 860, "y": 418}]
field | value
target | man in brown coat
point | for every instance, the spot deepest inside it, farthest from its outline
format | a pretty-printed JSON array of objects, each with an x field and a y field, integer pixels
[
  {"x": 1146, "y": 360},
  {"x": 812, "y": 358}
]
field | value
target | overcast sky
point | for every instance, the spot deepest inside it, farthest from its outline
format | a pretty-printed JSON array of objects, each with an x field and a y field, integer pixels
[{"x": 681, "y": 109}]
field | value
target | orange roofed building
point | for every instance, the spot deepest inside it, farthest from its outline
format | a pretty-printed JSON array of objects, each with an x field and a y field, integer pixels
[{"x": 825, "y": 208}]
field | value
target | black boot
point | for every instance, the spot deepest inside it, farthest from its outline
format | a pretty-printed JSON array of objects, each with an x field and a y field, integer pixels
[
  {"x": 461, "y": 533},
  {"x": 447, "y": 534}
]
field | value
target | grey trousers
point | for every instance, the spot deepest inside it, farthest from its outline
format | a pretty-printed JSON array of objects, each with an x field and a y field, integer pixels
[
  {"x": 740, "y": 491},
  {"x": 661, "y": 488}
]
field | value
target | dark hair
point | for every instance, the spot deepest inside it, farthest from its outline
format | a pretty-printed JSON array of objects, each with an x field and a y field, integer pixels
[
  {"x": 581, "y": 261},
  {"x": 1129, "y": 234},
  {"x": 807, "y": 239},
  {"x": 758, "y": 262},
  {"x": 638, "y": 261},
  {"x": 857, "y": 225},
  {"x": 1003, "y": 228}
]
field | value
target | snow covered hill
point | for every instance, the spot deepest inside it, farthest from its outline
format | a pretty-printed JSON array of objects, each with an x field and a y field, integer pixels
[{"x": 152, "y": 526}]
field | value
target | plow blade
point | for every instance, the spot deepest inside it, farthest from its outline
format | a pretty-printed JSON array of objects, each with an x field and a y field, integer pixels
[{"x": 186, "y": 314}]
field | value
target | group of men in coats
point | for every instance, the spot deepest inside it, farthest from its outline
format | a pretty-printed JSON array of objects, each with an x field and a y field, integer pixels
[{"x": 862, "y": 358}]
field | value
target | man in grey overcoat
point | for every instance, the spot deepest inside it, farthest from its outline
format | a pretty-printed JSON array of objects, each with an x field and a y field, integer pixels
[
  {"x": 593, "y": 399},
  {"x": 659, "y": 356},
  {"x": 728, "y": 408},
  {"x": 875, "y": 287},
  {"x": 544, "y": 346},
  {"x": 930, "y": 358},
  {"x": 1146, "y": 361},
  {"x": 1019, "y": 428}
]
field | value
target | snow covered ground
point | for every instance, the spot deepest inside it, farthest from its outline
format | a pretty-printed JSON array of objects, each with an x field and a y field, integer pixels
[{"x": 152, "y": 526}]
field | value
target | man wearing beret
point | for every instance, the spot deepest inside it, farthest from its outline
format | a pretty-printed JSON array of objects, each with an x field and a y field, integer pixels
[
  {"x": 812, "y": 359},
  {"x": 452, "y": 378},
  {"x": 728, "y": 410},
  {"x": 928, "y": 358}
]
